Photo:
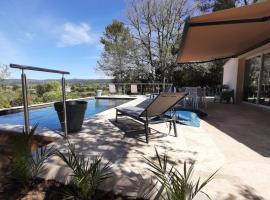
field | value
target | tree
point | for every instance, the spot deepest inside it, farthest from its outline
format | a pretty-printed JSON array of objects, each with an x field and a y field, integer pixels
[
  {"x": 199, "y": 74},
  {"x": 118, "y": 58},
  {"x": 156, "y": 27},
  {"x": 4, "y": 72},
  {"x": 52, "y": 86},
  {"x": 215, "y": 5}
]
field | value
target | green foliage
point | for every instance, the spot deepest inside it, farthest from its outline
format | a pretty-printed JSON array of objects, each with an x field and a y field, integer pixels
[
  {"x": 17, "y": 99},
  {"x": 26, "y": 165},
  {"x": 119, "y": 50},
  {"x": 206, "y": 74},
  {"x": 11, "y": 95},
  {"x": 15, "y": 87},
  {"x": 176, "y": 185},
  {"x": 87, "y": 175},
  {"x": 51, "y": 96},
  {"x": 156, "y": 29},
  {"x": 41, "y": 89},
  {"x": 4, "y": 101}
]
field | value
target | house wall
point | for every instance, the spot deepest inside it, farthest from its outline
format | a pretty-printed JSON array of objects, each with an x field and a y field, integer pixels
[
  {"x": 230, "y": 71},
  {"x": 234, "y": 71}
]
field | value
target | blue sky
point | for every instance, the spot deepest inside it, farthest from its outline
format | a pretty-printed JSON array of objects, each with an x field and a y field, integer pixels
[{"x": 58, "y": 34}]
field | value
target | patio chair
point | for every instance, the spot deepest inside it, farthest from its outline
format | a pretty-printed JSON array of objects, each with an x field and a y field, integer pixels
[
  {"x": 133, "y": 89},
  {"x": 192, "y": 97},
  {"x": 157, "y": 108},
  {"x": 224, "y": 93},
  {"x": 112, "y": 89}
]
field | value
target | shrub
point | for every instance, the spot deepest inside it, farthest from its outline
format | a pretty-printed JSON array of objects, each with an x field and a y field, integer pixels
[
  {"x": 4, "y": 102},
  {"x": 51, "y": 96},
  {"x": 52, "y": 86},
  {"x": 87, "y": 175},
  {"x": 176, "y": 185},
  {"x": 17, "y": 99},
  {"x": 26, "y": 166}
]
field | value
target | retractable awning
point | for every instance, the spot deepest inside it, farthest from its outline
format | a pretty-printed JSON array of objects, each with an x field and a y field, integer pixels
[{"x": 225, "y": 34}]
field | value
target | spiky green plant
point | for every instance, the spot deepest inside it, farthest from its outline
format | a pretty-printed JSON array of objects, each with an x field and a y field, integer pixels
[
  {"x": 25, "y": 164},
  {"x": 87, "y": 174},
  {"x": 176, "y": 185}
]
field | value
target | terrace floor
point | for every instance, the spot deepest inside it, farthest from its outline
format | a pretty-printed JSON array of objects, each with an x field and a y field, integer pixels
[{"x": 234, "y": 138}]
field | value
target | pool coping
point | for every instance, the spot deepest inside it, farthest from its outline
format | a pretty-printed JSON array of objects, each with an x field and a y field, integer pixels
[{"x": 124, "y": 97}]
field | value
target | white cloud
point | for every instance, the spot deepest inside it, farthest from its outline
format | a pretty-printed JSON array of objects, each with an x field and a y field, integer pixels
[
  {"x": 71, "y": 34},
  {"x": 29, "y": 35}
]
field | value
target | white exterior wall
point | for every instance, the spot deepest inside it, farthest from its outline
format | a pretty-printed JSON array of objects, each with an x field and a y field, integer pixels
[{"x": 230, "y": 70}]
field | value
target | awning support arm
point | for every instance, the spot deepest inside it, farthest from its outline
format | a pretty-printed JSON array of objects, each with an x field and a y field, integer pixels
[{"x": 237, "y": 21}]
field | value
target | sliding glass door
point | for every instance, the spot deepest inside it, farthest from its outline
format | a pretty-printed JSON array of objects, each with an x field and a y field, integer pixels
[
  {"x": 265, "y": 82},
  {"x": 252, "y": 73},
  {"x": 257, "y": 80}
]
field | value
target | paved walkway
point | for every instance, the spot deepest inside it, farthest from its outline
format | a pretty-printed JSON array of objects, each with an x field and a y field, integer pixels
[{"x": 222, "y": 141}]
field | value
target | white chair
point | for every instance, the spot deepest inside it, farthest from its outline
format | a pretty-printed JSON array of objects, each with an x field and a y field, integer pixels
[
  {"x": 133, "y": 89},
  {"x": 112, "y": 89},
  {"x": 192, "y": 97},
  {"x": 201, "y": 95}
]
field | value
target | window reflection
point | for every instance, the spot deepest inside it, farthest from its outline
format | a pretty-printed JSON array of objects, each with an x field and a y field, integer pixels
[
  {"x": 265, "y": 86},
  {"x": 252, "y": 75}
]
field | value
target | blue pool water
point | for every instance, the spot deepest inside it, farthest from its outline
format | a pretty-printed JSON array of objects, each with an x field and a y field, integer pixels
[{"x": 47, "y": 117}]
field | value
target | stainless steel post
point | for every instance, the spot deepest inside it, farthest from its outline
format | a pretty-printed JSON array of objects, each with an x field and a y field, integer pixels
[
  {"x": 64, "y": 104},
  {"x": 25, "y": 103}
]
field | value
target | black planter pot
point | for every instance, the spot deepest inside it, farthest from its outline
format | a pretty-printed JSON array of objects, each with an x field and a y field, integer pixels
[{"x": 75, "y": 114}]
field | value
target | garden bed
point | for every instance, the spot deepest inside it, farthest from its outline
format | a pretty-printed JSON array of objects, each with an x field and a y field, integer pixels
[
  {"x": 52, "y": 190},
  {"x": 41, "y": 189}
]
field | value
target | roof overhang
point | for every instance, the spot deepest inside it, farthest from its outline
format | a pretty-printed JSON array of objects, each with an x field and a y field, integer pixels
[{"x": 225, "y": 34}]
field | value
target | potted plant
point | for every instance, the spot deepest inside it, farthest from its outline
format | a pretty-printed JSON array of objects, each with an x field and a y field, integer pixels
[{"x": 75, "y": 114}]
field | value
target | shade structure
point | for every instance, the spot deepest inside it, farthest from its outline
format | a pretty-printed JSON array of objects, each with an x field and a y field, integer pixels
[{"x": 225, "y": 34}]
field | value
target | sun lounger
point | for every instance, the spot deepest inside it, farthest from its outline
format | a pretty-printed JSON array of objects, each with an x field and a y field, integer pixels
[
  {"x": 112, "y": 89},
  {"x": 157, "y": 108},
  {"x": 133, "y": 89}
]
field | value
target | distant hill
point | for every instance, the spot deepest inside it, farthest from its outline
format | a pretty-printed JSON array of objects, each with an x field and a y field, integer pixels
[{"x": 68, "y": 81}]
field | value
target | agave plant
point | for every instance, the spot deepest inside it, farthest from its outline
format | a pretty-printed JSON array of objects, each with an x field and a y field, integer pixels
[
  {"x": 87, "y": 174},
  {"x": 176, "y": 185},
  {"x": 26, "y": 165}
]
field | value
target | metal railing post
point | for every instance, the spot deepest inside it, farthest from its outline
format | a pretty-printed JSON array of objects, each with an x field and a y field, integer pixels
[
  {"x": 25, "y": 103},
  {"x": 64, "y": 104}
]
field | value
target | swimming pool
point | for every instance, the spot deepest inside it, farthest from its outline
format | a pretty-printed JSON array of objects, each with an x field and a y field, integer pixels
[{"x": 47, "y": 117}]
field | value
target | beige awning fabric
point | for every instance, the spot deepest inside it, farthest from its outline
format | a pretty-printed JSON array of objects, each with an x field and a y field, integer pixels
[{"x": 224, "y": 34}]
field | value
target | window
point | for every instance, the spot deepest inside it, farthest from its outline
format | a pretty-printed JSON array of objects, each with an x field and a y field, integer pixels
[
  {"x": 257, "y": 80},
  {"x": 265, "y": 82}
]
